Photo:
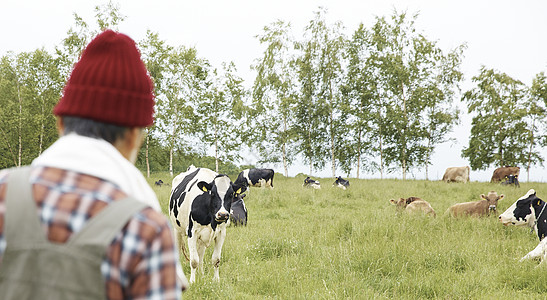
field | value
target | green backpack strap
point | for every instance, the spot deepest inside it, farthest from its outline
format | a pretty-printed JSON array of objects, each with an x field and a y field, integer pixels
[{"x": 22, "y": 222}]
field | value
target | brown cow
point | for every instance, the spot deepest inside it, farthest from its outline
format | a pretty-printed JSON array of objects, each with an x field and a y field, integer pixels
[
  {"x": 500, "y": 173},
  {"x": 476, "y": 208},
  {"x": 456, "y": 174},
  {"x": 413, "y": 205}
]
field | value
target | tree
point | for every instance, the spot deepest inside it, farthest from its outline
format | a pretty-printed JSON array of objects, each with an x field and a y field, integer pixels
[
  {"x": 320, "y": 118},
  {"x": 183, "y": 83},
  {"x": 537, "y": 112},
  {"x": 499, "y": 129},
  {"x": 417, "y": 82},
  {"x": 274, "y": 91},
  {"x": 155, "y": 54},
  {"x": 218, "y": 111}
]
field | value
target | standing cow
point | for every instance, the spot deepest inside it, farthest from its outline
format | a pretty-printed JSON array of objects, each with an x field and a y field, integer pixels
[
  {"x": 476, "y": 208},
  {"x": 256, "y": 178},
  {"x": 500, "y": 173},
  {"x": 456, "y": 174},
  {"x": 238, "y": 212},
  {"x": 341, "y": 183},
  {"x": 414, "y": 205},
  {"x": 199, "y": 207},
  {"x": 529, "y": 210}
]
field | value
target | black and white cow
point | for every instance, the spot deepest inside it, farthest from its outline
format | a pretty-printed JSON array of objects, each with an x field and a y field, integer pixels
[
  {"x": 341, "y": 183},
  {"x": 529, "y": 210},
  {"x": 511, "y": 180},
  {"x": 256, "y": 178},
  {"x": 310, "y": 183},
  {"x": 199, "y": 208},
  {"x": 159, "y": 182},
  {"x": 238, "y": 213}
]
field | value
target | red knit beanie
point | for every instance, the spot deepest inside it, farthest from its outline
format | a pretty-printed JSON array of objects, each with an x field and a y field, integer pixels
[{"x": 109, "y": 84}]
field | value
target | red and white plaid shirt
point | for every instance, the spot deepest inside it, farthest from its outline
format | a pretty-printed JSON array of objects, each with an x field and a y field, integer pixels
[{"x": 141, "y": 261}]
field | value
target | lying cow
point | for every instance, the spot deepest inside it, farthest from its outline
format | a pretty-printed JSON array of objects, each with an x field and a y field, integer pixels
[
  {"x": 511, "y": 180},
  {"x": 256, "y": 178},
  {"x": 414, "y": 205},
  {"x": 500, "y": 173},
  {"x": 238, "y": 212},
  {"x": 341, "y": 183},
  {"x": 310, "y": 183},
  {"x": 199, "y": 208},
  {"x": 529, "y": 210},
  {"x": 476, "y": 208},
  {"x": 456, "y": 174}
]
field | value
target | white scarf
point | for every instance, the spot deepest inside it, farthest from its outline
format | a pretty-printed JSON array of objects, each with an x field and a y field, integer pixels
[{"x": 98, "y": 158}]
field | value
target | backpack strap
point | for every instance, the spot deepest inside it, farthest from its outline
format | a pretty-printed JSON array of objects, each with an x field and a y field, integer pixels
[{"x": 22, "y": 222}]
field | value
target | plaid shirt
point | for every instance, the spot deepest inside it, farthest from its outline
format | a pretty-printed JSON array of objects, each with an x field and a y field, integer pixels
[{"x": 141, "y": 261}]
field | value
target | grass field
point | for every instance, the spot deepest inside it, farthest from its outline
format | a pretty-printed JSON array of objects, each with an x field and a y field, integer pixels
[{"x": 334, "y": 244}]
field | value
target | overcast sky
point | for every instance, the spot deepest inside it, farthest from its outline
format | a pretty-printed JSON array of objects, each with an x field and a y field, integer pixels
[{"x": 506, "y": 35}]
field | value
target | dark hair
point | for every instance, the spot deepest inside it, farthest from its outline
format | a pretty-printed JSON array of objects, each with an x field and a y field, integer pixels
[{"x": 93, "y": 129}]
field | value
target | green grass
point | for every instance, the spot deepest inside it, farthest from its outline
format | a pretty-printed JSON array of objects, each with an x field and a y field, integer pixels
[{"x": 334, "y": 244}]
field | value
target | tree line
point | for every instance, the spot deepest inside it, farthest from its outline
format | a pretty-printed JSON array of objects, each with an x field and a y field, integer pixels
[{"x": 379, "y": 100}]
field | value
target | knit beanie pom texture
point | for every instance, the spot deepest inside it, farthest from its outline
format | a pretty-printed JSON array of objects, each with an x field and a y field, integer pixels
[{"x": 109, "y": 84}]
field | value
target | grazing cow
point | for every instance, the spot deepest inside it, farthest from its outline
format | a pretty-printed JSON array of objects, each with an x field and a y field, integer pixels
[
  {"x": 476, "y": 208},
  {"x": 341, "y": 183},
  {"x": 310, "y": 183},
  {"x": 256, "y": 178},
  {"x": 199, "y": 208},
  {"x": 159, "y": 182},
  {"x": 511, "y": 180},
  {"x": 414, "y": 205},
  {"x": 500, "y": 173},
  {"x": 529, "y": 210},
  {"x": 238, "y": 212},
  {"x": 456, "y": 174}
]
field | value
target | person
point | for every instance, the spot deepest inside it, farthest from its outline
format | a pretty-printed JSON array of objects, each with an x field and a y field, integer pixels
[{"x": 85, "y": 193}]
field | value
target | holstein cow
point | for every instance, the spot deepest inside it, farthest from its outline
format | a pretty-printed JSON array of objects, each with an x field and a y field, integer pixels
[
  {"x": 500, "y": 173},
  {"x": 238, "y": 212},
  {"x": 414, "y": 205},
  {"x": 310, "y": 183},
  {"x": 341, "y": 183},
  {"x": 511, "y": 180},
  {"x": 476, "y": 208},
  {"x": 456, "y": 174},
  {"x": 256, "y": 178},
  {"x": 199, "y": 207},
  {"x": 529, "y": 210}
]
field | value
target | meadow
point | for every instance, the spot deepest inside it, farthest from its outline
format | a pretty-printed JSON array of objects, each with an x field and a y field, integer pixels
[{"x": 335, "y": 244}]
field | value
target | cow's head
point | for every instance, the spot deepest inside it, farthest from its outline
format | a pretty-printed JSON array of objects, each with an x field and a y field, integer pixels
[
  {"x": 492, "y": 198},
  {"x": 221, "y": 194},
  {"x": 402, "y": 202},
  {"x": 521, "y": 212}
]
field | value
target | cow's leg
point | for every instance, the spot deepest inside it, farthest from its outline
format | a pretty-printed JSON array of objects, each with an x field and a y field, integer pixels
[
  {"x": 537, "y": 252},
  {"x": 201, "y": 253},
  {"x": 262, "y": 182},
  {"x": 194, "y": 257},
  {"x": 219, "y": 241}
]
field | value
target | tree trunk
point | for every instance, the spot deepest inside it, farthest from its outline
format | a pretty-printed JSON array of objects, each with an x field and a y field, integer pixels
[
  {"x": 530, "y": 150},
  {"x": 20, "y": 125},
  {"x": 284, "y": 149},
  {"x": 358, "y": 151},
  {"x": 146, "y": 155}
]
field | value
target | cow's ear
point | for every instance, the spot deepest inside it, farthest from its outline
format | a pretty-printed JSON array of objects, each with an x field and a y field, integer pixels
[
  {"x": 393, "y": 202},
  {"x": 238, "y": 191},
  {"x": 483, "y": 197},
  {"x": 204, "y": 186},
  {"x": 501, "y": 197}
]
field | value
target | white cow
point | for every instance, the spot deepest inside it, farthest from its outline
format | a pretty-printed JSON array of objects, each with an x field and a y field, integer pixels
[{"x": 199, "y": 207}]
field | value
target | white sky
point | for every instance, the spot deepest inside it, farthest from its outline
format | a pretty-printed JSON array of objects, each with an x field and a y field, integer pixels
[{"x": 506, "y": 35}]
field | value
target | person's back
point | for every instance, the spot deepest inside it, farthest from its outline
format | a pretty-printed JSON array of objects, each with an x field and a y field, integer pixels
[{"x": 106, "y": 104}]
